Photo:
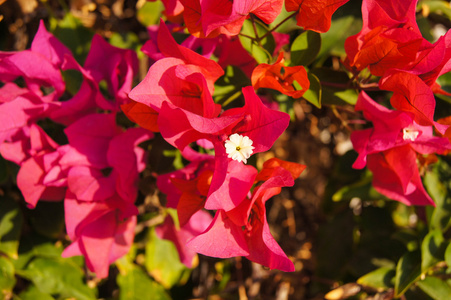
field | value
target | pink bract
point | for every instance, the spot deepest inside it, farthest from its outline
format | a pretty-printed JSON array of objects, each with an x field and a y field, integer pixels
[
  {"x": 245, "y": 231},
  {"x": 99, "y": 232},
  {"x": 196, "y": 225},
  {"x": 117, "y": 67},
  {"x": 390, "y": 148},
  {"x": 105, "y": 160},
  {"x": 40, "y": 176}
]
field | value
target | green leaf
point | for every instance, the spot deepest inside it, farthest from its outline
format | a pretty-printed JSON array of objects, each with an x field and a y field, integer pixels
[
  {"x": 127, "y": 40},
  {"x": 445, "y": 82},
  {"x": 447, "y": 255},
  {"x": 73, "y": 80},
  {"x": 305, "y": 48},
  {"x": 432, "y": 249},
  {"x": 335, "y": 87},
  {"x": 7, "y": 279},
  {"x": 314, "y": 93},
  {"x": 58, "y": 276},
  {"x": 136, "y": 284},
  {"x": 408, "y": 271},
  {"x": 174, "y": 215},
  {"x": 425, "y": 27},
  {"x": 11, "y": 220},
  {"x": 332, "y": 41},
  {"x": 262, "y": 50},
  {"x": 228, "y": 87},
  {"x": 362, "y": 189},
  {"x": 178, "y": 159},
  {"x": 71, "y": 32},
  {"x": 434, "y": 181},
  {"x": 149, "y": 13},
  {"x": 33, "y": 293},
  {"x": 162, "y": 261},
  {"x": 435, "y": 287},
  {"x": 381, "y": 278},
  {"x": 440, "y": 7},
  {"x": 33, "y": 245}
]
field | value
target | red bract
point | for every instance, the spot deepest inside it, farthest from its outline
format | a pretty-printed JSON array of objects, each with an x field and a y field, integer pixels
[
  {"x": 440, "y": 55},
  {"x": 193, "y": 194},
  {"x": 141, "y": 114},
  {"x": 101, "y": 231},
  {"x": 261, "y": 124},
  {"x": 165, "y": 182},
  {"x": 244, "y": 229},
  {"x": 255, "y": 121},
  {"x": 184, "y": 79},
  {"x": 390, "y": 148},
  {"x": 151, "y": 47},
  {"x": 389, "y": 38},
  {"x": 230, "y": 52},
  {"x": 173, "y": 10},
  {"x": 116, "y": 67},
  {"x": 103, "y": 159},
  {"x": 85, "y": 101},
  {"x": 396, "y": 175},
  {"x": 169, "y": 48},
  {"x": 213, "y": 17},
  {"x": 103, "y": 164},
  {"x": 39, "y": 66},
  {"x": 17, "y": 114},
  {"x": 188, "y": 189},
  {"x": 182, "y": 85},
  {"x": 381, "y": 50},
  {"x": 412, "y": 95},
  {"x": 281, "y": 78},
  {"x": 40, "y": 177},
  {"x": 49, "y": 46},
  {"x": 314, "y": 14}
]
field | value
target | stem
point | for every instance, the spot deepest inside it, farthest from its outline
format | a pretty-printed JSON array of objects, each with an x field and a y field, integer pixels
[
  {"x": 343, "y": 122},
  {"x": 246, "y": 36},
  {"x": 369, "y": 86},
  {"x": 278, "y": 25},
  {"x": 255, "y": 29},
  {"x": 231, "y": 98},
  {"x": 336, "y": 85}
]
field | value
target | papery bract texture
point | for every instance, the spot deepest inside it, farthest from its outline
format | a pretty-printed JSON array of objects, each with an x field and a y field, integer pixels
[
  {"x": 99, "y": 232},
  {"x": 396, "y": 175},
  {"x": 41, "y": 177},
  {"x": 411, "y": 94},
  {"x": 390, "y": 148},
  {"x": 213, "y": 17},
  {"x": 314, "y": 15},
  {"x": 281, "y": 78},
  {"x": 244, "y": 229},
  {"x": 117, "y": 67}
]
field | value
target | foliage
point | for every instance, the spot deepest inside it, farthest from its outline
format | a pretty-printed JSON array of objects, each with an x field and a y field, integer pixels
[{"x": 234, "y": 149}]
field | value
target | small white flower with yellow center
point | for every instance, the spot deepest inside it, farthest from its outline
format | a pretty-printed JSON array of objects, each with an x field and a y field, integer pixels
[
  {"x": 410, "y": 133},
  {"x": 239, "y": 147}
]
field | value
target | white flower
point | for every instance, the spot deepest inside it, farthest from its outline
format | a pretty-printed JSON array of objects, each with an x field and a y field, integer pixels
[
  {"x": 410, "y": 133},
  {"x": 239, "y": 147}
]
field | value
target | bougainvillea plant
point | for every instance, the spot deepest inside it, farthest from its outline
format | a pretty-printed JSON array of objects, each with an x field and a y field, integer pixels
[{"x": 128, "y": 161}]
